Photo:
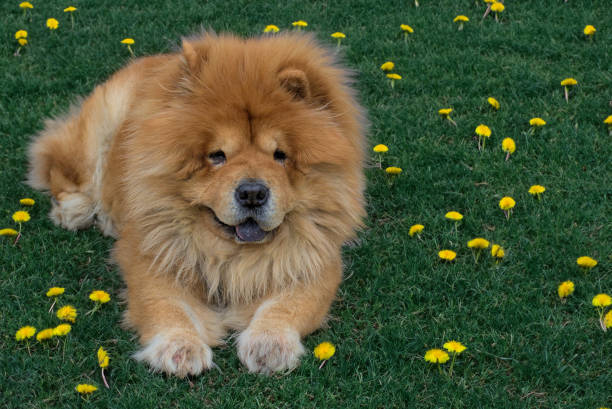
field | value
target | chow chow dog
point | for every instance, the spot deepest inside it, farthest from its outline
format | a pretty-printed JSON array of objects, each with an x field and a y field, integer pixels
[{"x": 231, "y": 173}]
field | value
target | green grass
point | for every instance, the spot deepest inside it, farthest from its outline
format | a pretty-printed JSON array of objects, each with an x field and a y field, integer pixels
[{"x": 526, "y": 349}]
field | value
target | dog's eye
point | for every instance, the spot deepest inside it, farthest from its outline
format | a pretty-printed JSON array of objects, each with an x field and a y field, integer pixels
[
  {"x": 280, "y": 155},
  {"x": 217, "y": 158}
]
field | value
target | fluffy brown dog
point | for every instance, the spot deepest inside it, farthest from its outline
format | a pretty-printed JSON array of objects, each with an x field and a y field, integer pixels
[{"x": 231, "y": 174}]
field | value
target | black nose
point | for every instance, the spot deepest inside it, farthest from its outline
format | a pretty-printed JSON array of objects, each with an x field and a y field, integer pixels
[{"x": 252, "y": 194}]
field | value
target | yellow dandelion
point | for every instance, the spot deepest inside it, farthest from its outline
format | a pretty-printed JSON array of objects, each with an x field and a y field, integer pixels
[
  {"x": 602, "y": 300},
  {"x": 608, "y": 319},
  {"x": 608, "y": 120},
  {"x": 8, "y": 232},
  {"x": 586, "y": 262},
  {"x": 84, "y": 388},
  {"x": 589, "y": 31},
  {"x": 508, "y": 146},
  {"x": 25, "y": 333},
  {"x": 436, "y": 356},
  {"x": 537, "y": 190},
  {"x": 478, "y": 243},
  {"x": 22, "y": 42},
  {"x": 445, "y": 113},
  {"x": 447, "y": 255},
  {"x": 497, "y": 252},
  {"x": 26, "y": 5},
  {"x": 21, "y": 34},
  {"x": 566, "y": 83},
  {"x": 44, "y": 334},
  {"x": 506, "y": 204},
  {"x": 387, "y": 66},
  {"x": 497, "y": 8},
  {"x": 21, "y": 216},
  {"x": 67, "y": 313},
  {"x": 62, "y": 329},
  {"x": 406, "y": 28},
  {"x": 535, "y": 122},
  {"x": 460, "y": 19},
  {"x": 103, "y": 358},
  {"x": 380, "y": 148},
  {"x": 338, "y": 36},
  {"x": 453, "y": 215},
  {"x": 415, "y": 229},
  {"x": 271, "y": 28},
  {"x": 394, "y": 77},
  {"x": 324, "y": 351},
  {"x": 299, "y": 24},
  {"x": 27, "y": 201},
  {"x": 393, "y": 170},
  {"x": 129, "y": 42},
  {"x": 55, "y": 291},
  {"x": 99, "y": 296},
  {"x": 70, "y": 9},
  {"x": 493, "y": 102},
  {"x": 565, "y": 288},
  {"x": 52, "y": 24},
  {"x": 483, "y": 133},
  {"x": 455, "y": 347}
]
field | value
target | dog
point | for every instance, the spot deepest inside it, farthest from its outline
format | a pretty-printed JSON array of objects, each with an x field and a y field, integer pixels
[{"x": 231, "y": 173}]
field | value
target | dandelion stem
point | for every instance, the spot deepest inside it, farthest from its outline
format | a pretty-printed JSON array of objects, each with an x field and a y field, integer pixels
[
  {"x": 450, "y": 370},
  {"x": 52, "y": 305},
  {"x": 451, "y": 121},
  {"x": 507, "y": 156},
  {"x": 322, "y": 363},
  {"x": 487, "y": 11},
  {"x": 104, "y": 379},
  {"x": 566, "y": 95}
]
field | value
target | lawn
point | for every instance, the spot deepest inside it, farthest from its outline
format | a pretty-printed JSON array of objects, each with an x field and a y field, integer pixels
[{"x": 526, "y": 347}]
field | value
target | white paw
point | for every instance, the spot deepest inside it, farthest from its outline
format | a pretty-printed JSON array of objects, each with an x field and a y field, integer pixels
[
  {"x": 176, "y": 355},
  {"x": 73, "y": 211},
  {"x": 266, "y": 351}
]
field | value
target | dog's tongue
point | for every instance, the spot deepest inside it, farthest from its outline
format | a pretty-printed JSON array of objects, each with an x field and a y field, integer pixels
[{"x": 250, "y": 231}]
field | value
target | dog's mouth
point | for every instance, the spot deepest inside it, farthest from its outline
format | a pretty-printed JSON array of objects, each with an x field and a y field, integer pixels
[{"x": 246, "y": 232}]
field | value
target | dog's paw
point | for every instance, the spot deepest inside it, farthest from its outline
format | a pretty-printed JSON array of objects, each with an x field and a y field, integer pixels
[
  {"x": 176, "y": 355},
  {"x": 73, "y": 211},
  {"x": 264, "y": 351}
]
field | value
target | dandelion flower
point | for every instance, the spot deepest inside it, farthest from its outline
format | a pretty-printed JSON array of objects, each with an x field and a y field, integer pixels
[
  {"x": 394, "y": 77},
  {"x": 27, "y": 201},
  {"x": 565, "y": 288},
  {"x": 508, "y": 146},
  {"x": 447, "y": 255},
  {"x": 21, "y": 34},
  {"x": 455, "y": 347},
  {"x": 21, "y": 216},
  {"x": 338, "y": 36},
  {"x": 52, "y": 24},
  {"x": 324, "y": 351},
  {"x": 478, "y": 243},
  {"x": 387, "y": 66},
  {"x": 537, "y": 190},
  {"x": 55, "y": 291},
  {"x": 393, "y": 170},
  {"x": 406, "y": 28},
  {"x": 70, "y": 9},
  {"x": 493, "y": 102},
  {"x": 99, "y": 296},
  {"x": 608, "y": 319},
  {"x": 25, "y": 333},
  {"x": 586, "y": 262},
  {"x": 602, "y": 300},
  {"x": 483, "y": 133},
  {"x": 44, "y": 334},
  {"x": 26, "y": 5},
  {"x": 415, "y": 229},
  {"x": 568, "y": 82},
  {"x": 497, "y": 252},
  {"x": 103, "y": 358},
  {"x": 589, "y": 31},
  {"x": 271, "y": 28},
  {"x": 67, "y": 313},
  {"x": 445, "y": 113},
  {"x": 129, "y": 42},
  {"x": 436, "y": 356},
  {"x": 380, "y": 148},
  {"x": 461, "y": 19},
  {"x": 84, "y": 388},
  {"x": 299, "y": 24},
  {"x": 497, "y": 8},
  {"x": 62, "y": 329},
  {"x": 453, "y": 215},
  {"x": 506, "y": 204},
  {"x": 8, "y": 232},
  {"x": 22, "y": 42},
  {"x": 537, "y": 122}
]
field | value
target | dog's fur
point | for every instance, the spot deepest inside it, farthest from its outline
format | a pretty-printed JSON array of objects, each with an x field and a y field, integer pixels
[{"x": 134, "y": 159}]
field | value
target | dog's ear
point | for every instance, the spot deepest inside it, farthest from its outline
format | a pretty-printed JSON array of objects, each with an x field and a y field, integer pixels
[
  {"x": 194, "y": 55},
  {"x": 295, "y": 82}
]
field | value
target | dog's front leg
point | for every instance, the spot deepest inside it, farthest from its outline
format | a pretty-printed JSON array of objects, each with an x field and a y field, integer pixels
[
  {"x": 271, "y": 342},
  {"x": 175, "y": 326}
]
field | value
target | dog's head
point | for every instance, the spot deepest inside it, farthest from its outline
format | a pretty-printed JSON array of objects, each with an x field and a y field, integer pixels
[{"x": 251, "y": 134}]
